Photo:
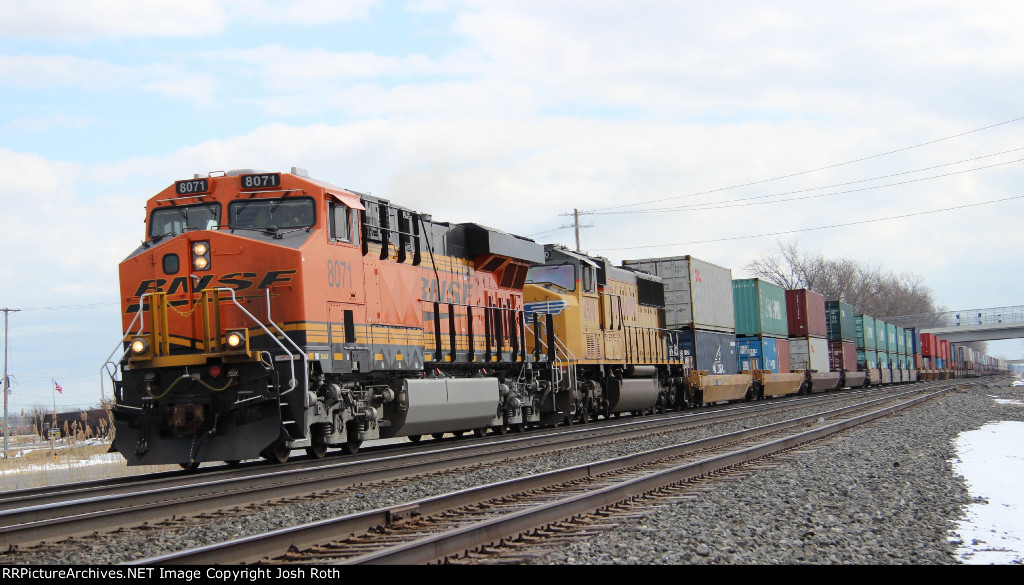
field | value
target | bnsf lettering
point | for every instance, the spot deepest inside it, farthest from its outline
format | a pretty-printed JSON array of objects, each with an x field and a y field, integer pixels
[
  {"x": 452, "y": 292},
  {"x": 236, "y": 280}
]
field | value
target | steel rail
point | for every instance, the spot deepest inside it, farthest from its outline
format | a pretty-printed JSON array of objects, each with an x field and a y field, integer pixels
[
  {"x": 254, "y": 548},
  {"x": 609, "y": 429},
  {"x": 103, "y": 511}
]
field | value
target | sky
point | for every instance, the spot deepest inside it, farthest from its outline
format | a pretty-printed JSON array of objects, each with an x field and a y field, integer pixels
[{"x": 878, "y": 131}]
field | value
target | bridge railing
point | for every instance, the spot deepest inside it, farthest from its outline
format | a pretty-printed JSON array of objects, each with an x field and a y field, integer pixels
[{"x": 963, "y": 318}]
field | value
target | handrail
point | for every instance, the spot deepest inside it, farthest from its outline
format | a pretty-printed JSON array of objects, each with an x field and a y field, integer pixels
[{"x": 139, "y": 316}]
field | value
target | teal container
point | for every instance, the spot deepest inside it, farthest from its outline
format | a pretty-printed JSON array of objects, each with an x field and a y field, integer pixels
[
  {"x": 867, "y": 359},
  {"x": 890, "y": 339},
  {"x": 865, "y": 327},
  {"x": 839, "y": 321},
  {"x": 760, "y": 308},
  {"x": 880, "y": 340},
  {"x": 883, "y": 359},
  {"x": 901, "y": 341}
]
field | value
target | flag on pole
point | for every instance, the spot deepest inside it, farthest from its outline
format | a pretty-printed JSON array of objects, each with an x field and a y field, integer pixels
[{"x": 57, "y": 387}]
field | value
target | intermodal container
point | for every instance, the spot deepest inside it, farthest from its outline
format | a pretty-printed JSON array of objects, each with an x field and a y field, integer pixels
[
  {"x": 698, "y": 294},
  {"x": 840, "y": 322},
  {"x": 890, "y": 338},
  {"x": 805, "y": 311},
  {"x": 880, "y": 342},
  {"x": 760, "y": 308},
  {"x": 913, "y": 342},
  {"x": 782, "y": 348},
  {"x": 867, "y": 359},
  {"x": 865, "y": 332},
  {"x": 883, "y": 359},
  {"x": 758, "y": 353},
  {"x": 712, "y": 351},
  {"x": 944, "y": 351},
  {"x": 842, "y": 355},
  {"x": 808, "y": 353},
  {"x": 929, "y": 345},
  {"x": 901, "y": 341}
]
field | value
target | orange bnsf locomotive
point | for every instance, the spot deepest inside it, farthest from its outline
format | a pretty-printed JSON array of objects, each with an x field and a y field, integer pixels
[{"x": 268, "y": 312}]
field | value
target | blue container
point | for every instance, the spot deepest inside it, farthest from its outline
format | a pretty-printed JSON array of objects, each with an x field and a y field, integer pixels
[
  {"x": 758, "y": 353},
  {"x": 710, "y": 351}
]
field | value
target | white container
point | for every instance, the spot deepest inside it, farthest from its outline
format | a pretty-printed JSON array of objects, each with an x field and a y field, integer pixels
[
  {"x": 808, "y": 353},
  {"x": 698, "y": 294}
]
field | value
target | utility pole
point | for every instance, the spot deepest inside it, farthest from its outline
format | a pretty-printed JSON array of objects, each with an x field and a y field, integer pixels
[
  {"x": 7, "y": 379},
  {"x": 576, "y": 225}
]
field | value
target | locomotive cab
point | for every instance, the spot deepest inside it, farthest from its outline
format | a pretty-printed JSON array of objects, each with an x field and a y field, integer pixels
[{"x": 267, "y": 312}]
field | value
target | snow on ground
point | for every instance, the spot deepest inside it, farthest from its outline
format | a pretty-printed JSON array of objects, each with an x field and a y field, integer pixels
[{"x": 991, "y": 460}]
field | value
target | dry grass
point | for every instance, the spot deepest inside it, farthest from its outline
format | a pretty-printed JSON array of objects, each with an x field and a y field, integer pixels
[{"x": 32, "y": 463}]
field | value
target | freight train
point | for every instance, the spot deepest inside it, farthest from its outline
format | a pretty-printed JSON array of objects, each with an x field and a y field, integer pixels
[{"x": 267, "y": 312}]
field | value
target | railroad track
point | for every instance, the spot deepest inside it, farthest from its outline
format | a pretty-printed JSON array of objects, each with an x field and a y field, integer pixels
[{"x": 506, "y": 517}]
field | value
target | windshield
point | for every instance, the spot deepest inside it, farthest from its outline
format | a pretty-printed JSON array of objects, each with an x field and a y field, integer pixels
[
  {"x": 172, "y": 221},
  {"x": 271, "y": 213},
  {"x": 563, "y": 276}
]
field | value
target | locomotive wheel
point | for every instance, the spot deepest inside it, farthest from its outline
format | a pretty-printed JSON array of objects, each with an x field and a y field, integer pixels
[
  {"x": 500, "y": 430},
  {"x": 190, "y": 466},
  {"x": 415, "y": 438},
  {"x": 278, "y": 454},
  {"x": 584, "y": 413},
  {"x": 519, "y": 427},
  {"x": 480, "y": 432},
  {"x": 317, "y": 451},
  {"x": 352, "y": 446},
  {"x": 233, "y": 462},
  {"x": 437, "y": 436}
]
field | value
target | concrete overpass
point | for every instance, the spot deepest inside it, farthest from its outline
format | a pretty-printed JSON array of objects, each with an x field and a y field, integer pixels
[{"x": 968, "y": 325}]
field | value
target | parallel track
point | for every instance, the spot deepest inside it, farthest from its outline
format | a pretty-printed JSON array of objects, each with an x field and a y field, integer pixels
[{"x": 446, "y": 526}]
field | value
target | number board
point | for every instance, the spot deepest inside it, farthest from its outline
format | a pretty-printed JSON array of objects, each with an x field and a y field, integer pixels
[
  {"x": 261, "y": 181},
  {"x": 192, "y": 187}
]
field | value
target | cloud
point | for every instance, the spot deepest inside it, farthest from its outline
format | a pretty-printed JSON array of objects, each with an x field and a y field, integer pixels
[
  {"x": 105, "y": 20},
  {"x": 109, "y": 19},
  {"x": 56, "y": 71}
]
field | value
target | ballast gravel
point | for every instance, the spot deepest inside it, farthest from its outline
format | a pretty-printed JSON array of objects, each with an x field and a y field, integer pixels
[{"x": 884, "y": 494}]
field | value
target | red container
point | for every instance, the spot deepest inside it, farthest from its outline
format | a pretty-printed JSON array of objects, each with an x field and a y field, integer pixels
[
  {"x": 918, "y": 361},
  {"x": 929, "y": 345},
  {"x": 806, "y": 313},
  {"x": 782, "y": 349},
  {"x": 842, "y": 355},
  {"x": 944, "y": 351}
]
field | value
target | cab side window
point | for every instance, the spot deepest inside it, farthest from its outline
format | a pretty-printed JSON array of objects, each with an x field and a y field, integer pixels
[
  {"x": 589, "y": 280},
  {"x": 339, "y": 227}
]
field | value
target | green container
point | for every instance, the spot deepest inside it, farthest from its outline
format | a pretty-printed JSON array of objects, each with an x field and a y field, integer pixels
[
  {"x": 883, "y": 359},
  {"x": 865, "y": 327},
  {"x": 890, "y": 339},
  {"x": 901, "y": 341},
  {"x": 760, "y": 308},
  {"x": 839, "y": 320},
  {"x": 867, "y": 359},
  {"x": 880, "y": 339}
]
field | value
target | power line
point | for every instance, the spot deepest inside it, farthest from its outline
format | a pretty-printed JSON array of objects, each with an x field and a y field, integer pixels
[
  {"x": 72, "y": 307},
  {"x": 745, "y": 202},
  {"x": 824, "y": 227},
  {"x": 814, "y": 170}
]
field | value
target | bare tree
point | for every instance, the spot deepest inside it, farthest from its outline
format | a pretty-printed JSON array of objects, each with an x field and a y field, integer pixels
[{"x": 868, "y": 289}]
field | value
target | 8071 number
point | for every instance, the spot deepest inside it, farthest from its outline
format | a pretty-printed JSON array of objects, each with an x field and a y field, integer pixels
[{"x": 261, "y": 181}]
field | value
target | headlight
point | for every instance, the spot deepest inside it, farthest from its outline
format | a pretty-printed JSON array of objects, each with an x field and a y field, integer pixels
[
  {"x": 236, "y": 340},
  {"x": 201, "y": 255},
  {"x": 139, "y": 346}
]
